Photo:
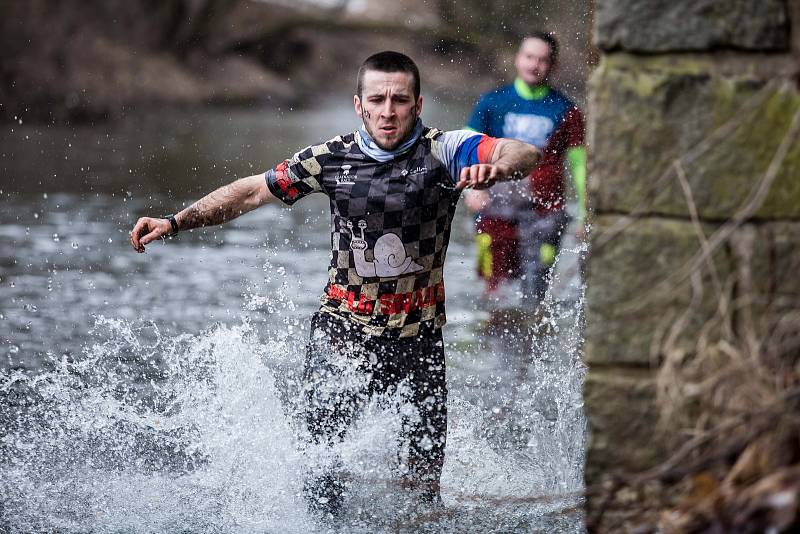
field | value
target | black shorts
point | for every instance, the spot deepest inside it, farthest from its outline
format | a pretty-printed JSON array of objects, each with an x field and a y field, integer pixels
[{"x": 345, "y": 368}]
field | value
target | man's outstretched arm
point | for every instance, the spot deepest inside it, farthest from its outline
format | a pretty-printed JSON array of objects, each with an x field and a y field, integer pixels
[
  {"x": 510, "y": 160},
  {"x": 222, "y": 205}
]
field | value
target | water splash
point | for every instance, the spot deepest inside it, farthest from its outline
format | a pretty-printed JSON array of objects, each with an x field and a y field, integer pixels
[
  {"x": 149, "y": 432},
  {"x": 179, "y": 433}
]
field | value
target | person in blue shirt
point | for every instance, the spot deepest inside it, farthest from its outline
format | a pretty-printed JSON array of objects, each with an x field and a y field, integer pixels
[{"x": 520, "y": 224}]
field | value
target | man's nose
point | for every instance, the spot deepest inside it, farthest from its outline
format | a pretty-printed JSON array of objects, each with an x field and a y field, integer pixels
[{"x": 387, "y": 109}]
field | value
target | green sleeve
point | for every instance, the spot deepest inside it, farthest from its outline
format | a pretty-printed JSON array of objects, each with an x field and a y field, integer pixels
[{"x": 576, "y": 156}]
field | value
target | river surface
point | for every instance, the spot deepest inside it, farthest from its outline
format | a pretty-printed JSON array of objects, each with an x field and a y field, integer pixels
[{"x": 157, "y": 392}]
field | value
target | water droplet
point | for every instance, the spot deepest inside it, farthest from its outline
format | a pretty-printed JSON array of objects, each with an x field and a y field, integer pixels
[
  {"x": 56, "y": 238},
  {"x": 426, "y": 443},
  {"x": 13, "y": 349},
  {"x": 44, "y": 195},
  {"x": 75, "y": 245},
  {"x": 110, "y": 240},
  {"x": 35, "y": 215}
]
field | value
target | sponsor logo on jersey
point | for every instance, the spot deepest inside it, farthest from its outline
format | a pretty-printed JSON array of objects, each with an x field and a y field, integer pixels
[
  {"x": 344, "y": 176},
  {"x": 389, "y": 303},
  {"x": 533, "y": 129},
  {"x": 416, "y": 170}
]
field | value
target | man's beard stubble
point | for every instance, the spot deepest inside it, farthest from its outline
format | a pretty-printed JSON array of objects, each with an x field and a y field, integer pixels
[{"x": 366, "y": 115}]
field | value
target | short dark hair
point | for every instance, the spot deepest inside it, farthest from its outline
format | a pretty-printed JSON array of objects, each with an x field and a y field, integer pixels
[
  {"x": 389, "y": 61},
  {"x": 548, "y": 38}
]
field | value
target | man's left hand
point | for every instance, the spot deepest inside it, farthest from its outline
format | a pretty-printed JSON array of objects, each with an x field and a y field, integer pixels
[{"x": 481, "y": 176}]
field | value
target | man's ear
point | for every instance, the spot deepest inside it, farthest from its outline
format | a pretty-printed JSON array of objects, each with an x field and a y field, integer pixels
[
  {"x": 419, "y": 106},
  {"x": 357, "y": 106}
]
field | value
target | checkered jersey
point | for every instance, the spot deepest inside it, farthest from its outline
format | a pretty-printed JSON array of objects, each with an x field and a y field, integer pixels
[{"x": 390, "y": 225}]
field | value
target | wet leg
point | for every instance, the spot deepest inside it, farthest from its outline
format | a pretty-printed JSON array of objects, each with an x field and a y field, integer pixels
[
  {"x": 425, "y": 434},
  {"x": 335, "y": 392},
  {"x": 537, "y": 233}
]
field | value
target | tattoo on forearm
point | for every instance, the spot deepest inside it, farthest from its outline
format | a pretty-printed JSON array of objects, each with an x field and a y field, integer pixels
[{"x": 215, "y": 208}]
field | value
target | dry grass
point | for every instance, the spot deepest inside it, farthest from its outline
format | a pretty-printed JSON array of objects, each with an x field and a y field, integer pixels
[{"x": 733, "y": 408}]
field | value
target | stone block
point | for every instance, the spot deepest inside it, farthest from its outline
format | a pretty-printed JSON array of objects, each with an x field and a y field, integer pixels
[
  {"x": 780, "y": 277},
  {"x": 691, "y": 25},
  {"x": 645, "y": 113},
  {"x": 623, "y": 422},
  {"x": 638, "y": 287},
  {"x": 768, "y": 288}
]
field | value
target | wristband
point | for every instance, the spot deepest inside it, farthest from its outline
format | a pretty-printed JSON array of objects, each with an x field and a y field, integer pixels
[{"x": 173, "y": 223}]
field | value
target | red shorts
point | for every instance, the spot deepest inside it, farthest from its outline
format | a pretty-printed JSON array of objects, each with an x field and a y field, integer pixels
[{"x": 504, "y": 249}]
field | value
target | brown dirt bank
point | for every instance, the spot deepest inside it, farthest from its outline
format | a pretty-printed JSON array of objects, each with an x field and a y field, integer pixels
[{"x": 71, "y": 60}]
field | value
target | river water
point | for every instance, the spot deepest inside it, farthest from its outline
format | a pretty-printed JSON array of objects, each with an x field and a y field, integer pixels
[{"x": 157, "y": 392}]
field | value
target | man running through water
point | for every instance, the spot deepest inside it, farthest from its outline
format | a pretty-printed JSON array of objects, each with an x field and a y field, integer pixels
[{"x": 393, "y": 187}]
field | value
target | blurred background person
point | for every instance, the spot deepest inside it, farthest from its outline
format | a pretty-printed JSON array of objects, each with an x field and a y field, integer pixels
[{"x": 520, "y": 224}]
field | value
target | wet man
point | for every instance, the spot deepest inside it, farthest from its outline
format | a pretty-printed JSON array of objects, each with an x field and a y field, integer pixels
[
  {"x": 393, "y": 187},
  {"x": 521, "y": 223}
]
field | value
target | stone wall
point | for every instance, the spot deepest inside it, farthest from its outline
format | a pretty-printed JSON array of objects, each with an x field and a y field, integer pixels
[{"x": 692, "y": 110}]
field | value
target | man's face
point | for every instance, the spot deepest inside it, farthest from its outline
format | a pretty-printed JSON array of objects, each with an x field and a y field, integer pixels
[
  {"x": 387, "y": 106},
  {"x": 533, "y": 61}
]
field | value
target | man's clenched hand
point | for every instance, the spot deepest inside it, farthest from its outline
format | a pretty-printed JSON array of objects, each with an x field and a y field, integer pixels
[
  {"x": 482, "y": 175},
  {"x": 148, "y": 229}
]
